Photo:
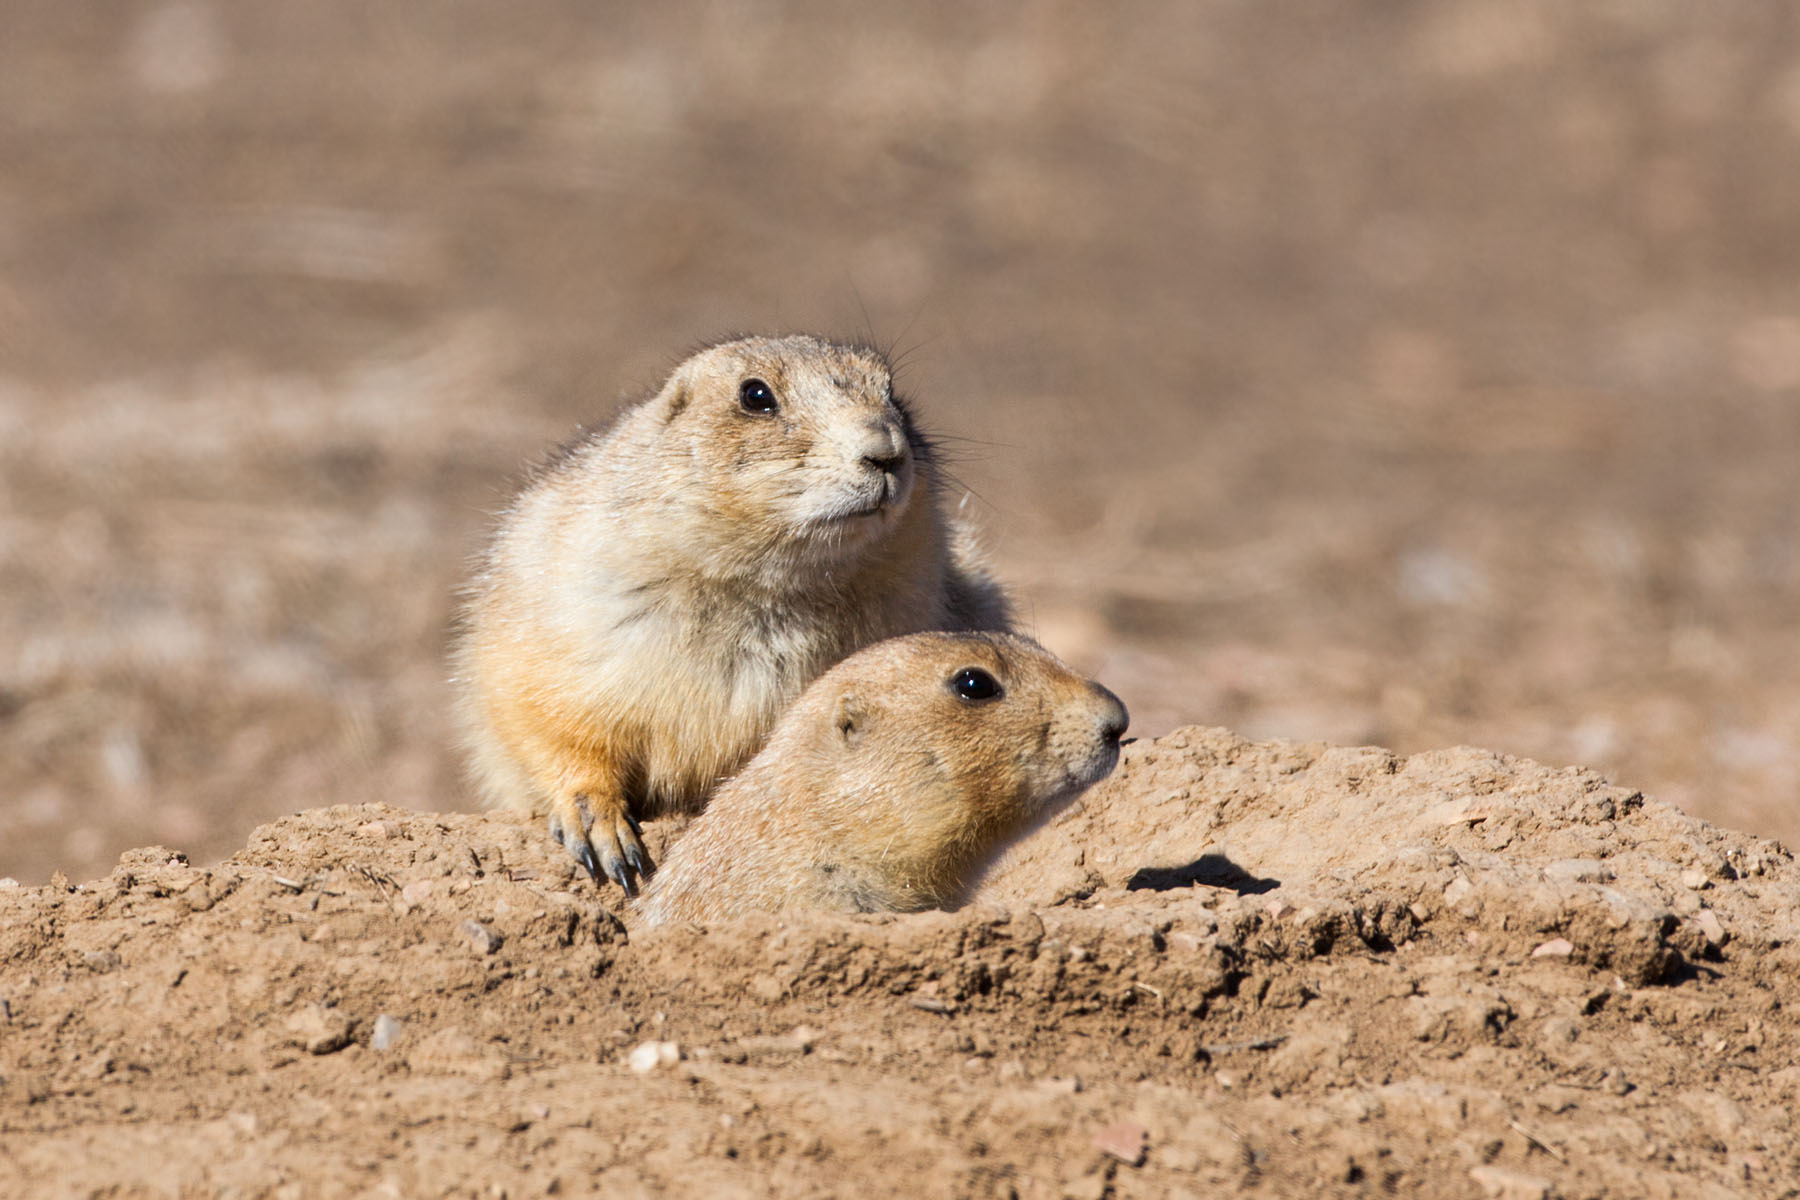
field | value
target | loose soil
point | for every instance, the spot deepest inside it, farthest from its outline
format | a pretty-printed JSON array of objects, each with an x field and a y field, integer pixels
[
  {"x": 1410, "y": 374},
  {"x": 1270, "y": 968}
]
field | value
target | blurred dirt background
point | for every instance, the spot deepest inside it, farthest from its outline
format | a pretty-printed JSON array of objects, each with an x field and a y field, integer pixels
[{"x": 1406, "y": 373}]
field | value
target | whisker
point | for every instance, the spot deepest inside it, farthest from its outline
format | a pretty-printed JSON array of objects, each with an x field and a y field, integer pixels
[
  {"x": 973, "y": 441},
  {"x": 956, "y": 483}
]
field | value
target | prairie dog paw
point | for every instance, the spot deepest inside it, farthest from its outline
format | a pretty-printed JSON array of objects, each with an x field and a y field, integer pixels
[{"x": 603, "y": 838}]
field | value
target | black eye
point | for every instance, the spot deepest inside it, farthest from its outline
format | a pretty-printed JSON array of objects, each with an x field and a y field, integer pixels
[
  {"x": 755, "y": 396},
  {"x": 974, "y": 685}
]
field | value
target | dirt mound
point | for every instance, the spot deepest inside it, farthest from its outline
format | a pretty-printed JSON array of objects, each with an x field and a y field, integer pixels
[{"x": 1278, "y": 968}]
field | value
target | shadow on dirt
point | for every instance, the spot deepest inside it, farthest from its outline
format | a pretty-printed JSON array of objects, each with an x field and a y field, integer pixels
[{"x": 1209, "y": 870}]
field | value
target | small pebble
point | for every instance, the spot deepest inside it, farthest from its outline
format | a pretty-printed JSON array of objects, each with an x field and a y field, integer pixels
[
  {"x": 1578, "y": 870},
  {"x": 386, "y": 1032},
  {"x": 1183, "y": 942},
  {"x": 1126, "y": 1141},
  {"x": 319, "y": 1030},
  {"x": 1694, "y": 880},
  {"x": 1707, "y": 922},
  {"x": 647, "y": 1056},
  {"x": 1554, "y": 948},
  {"x": 483, "y": 939}
]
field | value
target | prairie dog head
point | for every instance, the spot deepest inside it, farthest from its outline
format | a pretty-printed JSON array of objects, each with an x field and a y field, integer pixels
[
  {"x": 787, "y": 443},
  {"x": 925, "y": 756}
]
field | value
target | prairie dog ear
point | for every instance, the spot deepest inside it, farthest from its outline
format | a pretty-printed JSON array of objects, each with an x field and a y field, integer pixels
[
  {"x": 850, "y": 717},
  {"x": 674, "y": 396}
]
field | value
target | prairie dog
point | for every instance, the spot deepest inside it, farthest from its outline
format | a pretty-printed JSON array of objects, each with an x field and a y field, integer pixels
[
  {"x": 662, "y": 590},
  {"x": 894, "y": 781}
]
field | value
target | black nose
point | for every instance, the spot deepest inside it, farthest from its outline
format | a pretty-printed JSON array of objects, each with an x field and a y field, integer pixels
[
  {"x": 886, "y": 462},
  {"x": 1114, "y": 719}
]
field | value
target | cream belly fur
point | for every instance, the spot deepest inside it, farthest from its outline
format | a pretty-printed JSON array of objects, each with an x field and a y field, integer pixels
[
  {"x": 894, "y": 781},
  {"x": 660, "y": 592}
]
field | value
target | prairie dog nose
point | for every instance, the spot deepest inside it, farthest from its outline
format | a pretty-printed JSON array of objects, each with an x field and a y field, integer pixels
[
  {"x": 1113, "y": 717},
  {"x": 884, "y": 448}
]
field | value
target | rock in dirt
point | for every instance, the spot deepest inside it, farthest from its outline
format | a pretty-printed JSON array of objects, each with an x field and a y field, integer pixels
[
  {"x": 1126, "y": 1141},
  {"x": 480, "y": 938},
  {"x": 647, "y": 1056},
  {"x": 319, "y": 1030},
  {"x": 386, "y": 1032},
  {"x": 1707, "y": 922}
]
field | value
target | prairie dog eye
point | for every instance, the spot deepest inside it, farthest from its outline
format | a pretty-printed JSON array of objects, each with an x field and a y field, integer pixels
[
  {"x": 757, "y": 398},
  {"x": 975, "y": 685}
]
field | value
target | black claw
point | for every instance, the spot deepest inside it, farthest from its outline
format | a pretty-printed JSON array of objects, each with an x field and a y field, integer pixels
[
  {"x": 556, "y": 831},
  {"x": 639, "y": 858},
  {"x": 584, "y": 854},
  {"x": 617, "y": 871},
  {"x": 635, "y": 827}
]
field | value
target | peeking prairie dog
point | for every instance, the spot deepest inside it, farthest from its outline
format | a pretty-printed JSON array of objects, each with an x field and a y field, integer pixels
[
  {"x": 662, "y": 590},
  {"x": 894, "y": 781}
]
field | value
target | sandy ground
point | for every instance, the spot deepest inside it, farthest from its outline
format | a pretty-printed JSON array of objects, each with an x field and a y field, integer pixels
[
  {"x": 1411, "y": 374},
  {"x": 1414, "y": 375},
  {"x": 1264, "y": 968}
]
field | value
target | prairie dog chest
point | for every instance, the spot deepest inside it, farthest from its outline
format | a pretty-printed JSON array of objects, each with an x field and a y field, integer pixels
[
  {"x": 705, "y": 645},
  {"x": 760, "y": 656},
  {"x": 720, "y": 687}
]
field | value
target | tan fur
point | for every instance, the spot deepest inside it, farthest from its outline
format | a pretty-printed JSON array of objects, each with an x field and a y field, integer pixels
[
  {"x": 658, "y": 594},
  {"x": 882, "y": 791}
]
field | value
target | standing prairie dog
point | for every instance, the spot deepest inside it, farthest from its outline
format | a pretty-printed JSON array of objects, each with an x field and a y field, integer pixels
[
  {"x": 661, "y": 591},
  {"x": 894, "y": 781}
]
